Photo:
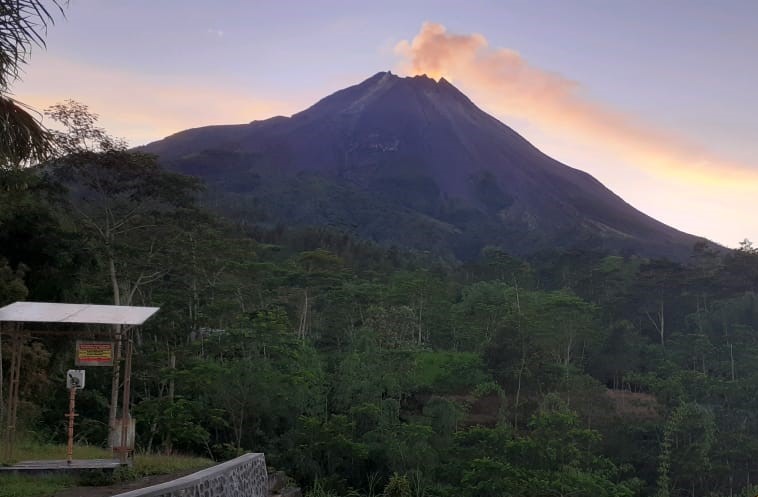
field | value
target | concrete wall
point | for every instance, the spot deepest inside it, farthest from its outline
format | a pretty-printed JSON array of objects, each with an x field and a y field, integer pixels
[{"x": 244, "y": 476}]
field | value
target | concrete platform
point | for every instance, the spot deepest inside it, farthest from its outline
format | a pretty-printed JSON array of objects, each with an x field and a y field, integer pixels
[{"x": 60, "y": 466}]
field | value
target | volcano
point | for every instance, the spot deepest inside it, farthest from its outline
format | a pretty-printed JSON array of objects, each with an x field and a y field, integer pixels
[{"x": 412, "y": 162}]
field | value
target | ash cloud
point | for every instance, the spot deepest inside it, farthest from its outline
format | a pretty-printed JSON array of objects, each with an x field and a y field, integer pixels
[{"x": 507, "y": 83}]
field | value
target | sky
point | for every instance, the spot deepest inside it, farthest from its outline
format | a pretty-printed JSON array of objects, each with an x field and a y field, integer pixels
[{"x": 655, "y": 99}]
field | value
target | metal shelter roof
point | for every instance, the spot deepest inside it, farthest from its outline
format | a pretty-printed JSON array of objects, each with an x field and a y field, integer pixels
[{"x": 46, "y": 312}]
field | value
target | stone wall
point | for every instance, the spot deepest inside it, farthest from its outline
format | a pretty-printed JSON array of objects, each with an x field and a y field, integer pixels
[{"x": 244, "y": 476}]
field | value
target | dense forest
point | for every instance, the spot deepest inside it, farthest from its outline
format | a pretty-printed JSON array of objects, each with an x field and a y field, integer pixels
[{"x": 359, "y": 369}]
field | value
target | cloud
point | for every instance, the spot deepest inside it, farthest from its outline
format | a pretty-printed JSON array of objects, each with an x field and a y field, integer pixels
[
  {"x": 218, "y": 33},
  {"x": 508, "y": 84},
  {"x": 143, "y": 107}
]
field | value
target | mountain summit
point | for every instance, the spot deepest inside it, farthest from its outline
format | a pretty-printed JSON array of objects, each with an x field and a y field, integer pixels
[{"x": 414, "y": 163}]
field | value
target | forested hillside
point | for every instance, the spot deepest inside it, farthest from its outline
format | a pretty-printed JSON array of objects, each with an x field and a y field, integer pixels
[{"x": 361, "y": 369}]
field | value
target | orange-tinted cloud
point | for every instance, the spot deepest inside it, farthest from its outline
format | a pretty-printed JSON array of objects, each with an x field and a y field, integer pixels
[{"x": 509, "y": 85}]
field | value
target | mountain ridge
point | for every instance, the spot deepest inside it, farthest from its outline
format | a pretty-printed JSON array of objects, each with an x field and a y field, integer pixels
[{"x": 422, "y": 151}]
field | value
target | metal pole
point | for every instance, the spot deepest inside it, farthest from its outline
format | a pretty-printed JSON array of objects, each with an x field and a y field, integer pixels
[
  {"x": 125, "y": 414},
  {"x": 71, "y": 415}
]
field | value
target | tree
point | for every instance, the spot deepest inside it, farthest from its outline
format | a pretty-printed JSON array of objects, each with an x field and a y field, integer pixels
[
  {"x": 557, "y": 457},
  {"x": 12, "y": 288},
  {"x": 422, "y": 292},
  {"x": 35, "y": 233},
  {"x": 483, "y": 308},
  {"x": 128, "y": 207},
  {"x": 685, "y": 449},
  {"x": 125, "y": 203},
  {"x": 741, "y": 268},
  {"x": 659, "y": 283},
  {"x": 23, "y": 25}
]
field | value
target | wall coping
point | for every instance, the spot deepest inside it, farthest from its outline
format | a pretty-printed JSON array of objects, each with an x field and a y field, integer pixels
[{"x": 192, "y": 479}]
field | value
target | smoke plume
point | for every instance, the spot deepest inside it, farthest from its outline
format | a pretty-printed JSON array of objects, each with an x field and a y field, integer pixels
[{"x": 509, "y": 85}]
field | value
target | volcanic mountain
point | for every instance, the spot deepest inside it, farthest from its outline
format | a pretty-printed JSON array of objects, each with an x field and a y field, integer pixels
[{"x": 414, "y": 163}]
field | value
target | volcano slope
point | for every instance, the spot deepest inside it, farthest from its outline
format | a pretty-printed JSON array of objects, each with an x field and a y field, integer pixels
[{"x": 411, "y": 162}]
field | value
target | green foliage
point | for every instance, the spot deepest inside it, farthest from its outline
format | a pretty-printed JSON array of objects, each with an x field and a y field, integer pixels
[
  {"x": 687, "y": 442},
  {"x": 444, "y": 416},
  {"x": 318, "y": 490},
  {"x": 356, "y": 368},
  {"x": 398, "y": 486},
  {"x": 180, "y": 421},
  {"x": 448, "y": 371},
  {"x": 554, "y": 457},
  {"x": 12, "y": 286}
]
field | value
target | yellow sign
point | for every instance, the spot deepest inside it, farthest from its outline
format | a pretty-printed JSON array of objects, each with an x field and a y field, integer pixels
[{"x": 94, "y": 353}]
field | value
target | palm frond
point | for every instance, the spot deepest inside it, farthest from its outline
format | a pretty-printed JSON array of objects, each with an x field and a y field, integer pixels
[
  {"x": 23, "y": 138},
  {"x": 23, "y": 24}
]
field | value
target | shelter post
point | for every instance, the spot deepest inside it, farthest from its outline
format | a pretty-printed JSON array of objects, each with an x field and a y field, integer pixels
[
  {"x": 16, "y": 345},
  {"x": 125, "y": 402},
  {"x": 71, "y": 416},
  {"x": 115, "y": 383}
]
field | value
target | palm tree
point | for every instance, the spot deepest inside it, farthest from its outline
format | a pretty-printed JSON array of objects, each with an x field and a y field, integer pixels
[{"x": 23, "y": 25}]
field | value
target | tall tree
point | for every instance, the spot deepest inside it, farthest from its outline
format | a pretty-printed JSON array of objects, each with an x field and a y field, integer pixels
[
  {"x": 659, "y": 284},
  {"x": 127, "y": 206}
]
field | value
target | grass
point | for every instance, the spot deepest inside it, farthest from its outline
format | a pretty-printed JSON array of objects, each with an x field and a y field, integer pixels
[
  {"x": 33, "y": 486},
  {"x": 38, "y": 452},
  {"x": 144, "y": 464},
  {"x": 152, "y": 464},
  {"x": 37, "y": 486}
]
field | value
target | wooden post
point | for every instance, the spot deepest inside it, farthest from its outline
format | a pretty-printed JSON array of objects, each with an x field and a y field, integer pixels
[
  {"x": 71, "y": 415},
  {"x": 13, "y": 393},
  {"x": 125, "y": 414},
  {"x": 2, "y": 385},
  {"x": 5, "y": 418},
  {"x": 115, "y": 382}
]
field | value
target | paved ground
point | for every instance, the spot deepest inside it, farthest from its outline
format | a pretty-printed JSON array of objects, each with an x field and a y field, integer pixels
[{"x": 58, "y": 464}]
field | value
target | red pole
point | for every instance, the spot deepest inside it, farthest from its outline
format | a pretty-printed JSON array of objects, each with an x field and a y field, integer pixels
[{"x": 71, "y": 415}]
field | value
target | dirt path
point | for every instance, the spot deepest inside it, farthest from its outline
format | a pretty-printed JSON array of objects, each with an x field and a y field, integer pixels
[{"x": 120, "y": 487}]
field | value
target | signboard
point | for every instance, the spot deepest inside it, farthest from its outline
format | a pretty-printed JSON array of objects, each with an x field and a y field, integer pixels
[
  {"x": 75, "y": 379},
  {"x": 94, "y": 353}
]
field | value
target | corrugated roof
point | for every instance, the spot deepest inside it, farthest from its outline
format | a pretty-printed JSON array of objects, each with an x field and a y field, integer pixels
[{"x": 47, "y": 312}]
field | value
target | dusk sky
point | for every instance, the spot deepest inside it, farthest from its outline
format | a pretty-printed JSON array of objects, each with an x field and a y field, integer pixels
[{"x": 656, "y": 99}]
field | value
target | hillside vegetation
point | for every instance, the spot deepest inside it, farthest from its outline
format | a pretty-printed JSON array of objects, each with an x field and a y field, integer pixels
[{"x": 358, "y": 368}]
